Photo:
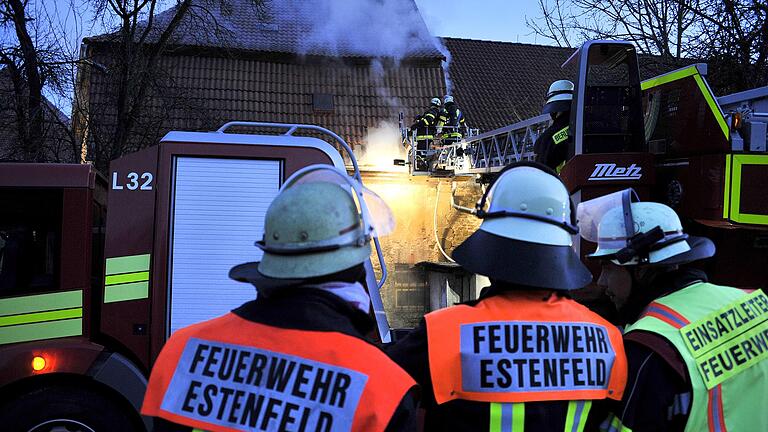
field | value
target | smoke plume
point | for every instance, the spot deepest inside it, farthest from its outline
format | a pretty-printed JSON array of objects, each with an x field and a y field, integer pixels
[
  {"x": 367, "y": 28},
  {"x": 381, "y": 147}
]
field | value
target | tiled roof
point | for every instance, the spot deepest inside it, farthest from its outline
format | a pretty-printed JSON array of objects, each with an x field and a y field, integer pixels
[
  {"x": 500, "y": 83},
  {"x": 204, "y": 92},
  {"x": 392, "y": 28}
]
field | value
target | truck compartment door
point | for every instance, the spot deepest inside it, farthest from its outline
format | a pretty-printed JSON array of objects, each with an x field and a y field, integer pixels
[{"x": 217, "y": 214}]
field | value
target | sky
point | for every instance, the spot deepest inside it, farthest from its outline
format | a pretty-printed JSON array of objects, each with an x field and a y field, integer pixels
[{"x": 499, "y": 20}]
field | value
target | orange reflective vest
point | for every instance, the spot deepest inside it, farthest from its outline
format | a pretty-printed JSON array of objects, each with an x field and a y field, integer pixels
[
  {"x": 516, "y": 347},
  {"x": 231, "y": 374}
]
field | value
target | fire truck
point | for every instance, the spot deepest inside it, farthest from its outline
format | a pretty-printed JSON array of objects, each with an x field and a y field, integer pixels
[
  {"x": 669, "y": 137},
  {"x": 88, "y": 296}
]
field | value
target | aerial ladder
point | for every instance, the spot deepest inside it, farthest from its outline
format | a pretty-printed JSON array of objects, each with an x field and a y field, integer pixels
[{"x": 668, "y": 137}]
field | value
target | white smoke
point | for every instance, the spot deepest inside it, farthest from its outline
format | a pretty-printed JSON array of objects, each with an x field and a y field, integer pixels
[
  {"x": 446, "y": 64},
  {"x": 368, "y": 28},
  {"x": 381, "y": 147},
  {"x": 378, "y": 77}
]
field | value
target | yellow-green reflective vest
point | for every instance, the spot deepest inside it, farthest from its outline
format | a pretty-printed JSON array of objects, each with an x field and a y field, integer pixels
[{"x": 722, "y": 335}]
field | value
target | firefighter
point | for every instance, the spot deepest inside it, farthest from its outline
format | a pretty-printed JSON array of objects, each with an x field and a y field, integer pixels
[
  {"x": 295, "y": 358},
  {"x": 425, "y": 126},
  {"x": 451, "y": 122},
  {"x": 696, "y": 351},
  {"x": 551, "y": 147},
  {"x": 523, "y": 356}
]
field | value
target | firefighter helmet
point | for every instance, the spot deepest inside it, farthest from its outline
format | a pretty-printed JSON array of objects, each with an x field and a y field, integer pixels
[
  {"x": 631, "y": 233},
  {"x": 435, "y": 101},
  {"x": 321, "y": 222},
  {"x": 447, "y": 99},
  {"x": 559, "y": 97},
  {"x": 526, "y": 234}
]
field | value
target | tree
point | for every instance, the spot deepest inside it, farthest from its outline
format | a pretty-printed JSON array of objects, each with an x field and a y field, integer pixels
[
  {"x": 659, "y": 27},
  {"x": 734, "y": 40},
  {"x": 143, "y": 36},
  {"x": 732, "y": 35},
  {"x": 33, "y": 59}
]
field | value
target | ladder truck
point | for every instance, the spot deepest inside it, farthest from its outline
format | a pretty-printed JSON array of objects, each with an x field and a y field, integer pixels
[
  {"x": 96, "y": 273},
  {"x": 669, "y": 137}
]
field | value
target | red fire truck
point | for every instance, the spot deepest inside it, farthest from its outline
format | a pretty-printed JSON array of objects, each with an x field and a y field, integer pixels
[{"x": 88, "y": 296}]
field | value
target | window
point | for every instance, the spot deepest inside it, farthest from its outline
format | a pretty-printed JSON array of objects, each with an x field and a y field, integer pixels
[
  {"x": 322, "y": 102},
  {"x": 30, "y": 240}
]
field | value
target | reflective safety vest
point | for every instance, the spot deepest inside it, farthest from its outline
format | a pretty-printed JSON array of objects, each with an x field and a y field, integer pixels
[
  {"x": 517, "y": 347},
  {"x": 231, "y": 374},
  {"x": 722, "y": 335}
]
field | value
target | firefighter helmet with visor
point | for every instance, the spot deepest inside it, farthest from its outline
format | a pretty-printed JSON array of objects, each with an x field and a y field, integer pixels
[{"x": 632, "y": 233}]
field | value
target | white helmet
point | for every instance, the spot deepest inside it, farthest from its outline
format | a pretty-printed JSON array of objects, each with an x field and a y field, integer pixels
[
  {"x": 447, "y": 99},
  {"x": 435, "y": 101},
  {"x": 525, "y": 237},
  {"x": 631, "y": 233},
  {"x": 559, "y": 97},
  {"x": 320, "y": 223}
]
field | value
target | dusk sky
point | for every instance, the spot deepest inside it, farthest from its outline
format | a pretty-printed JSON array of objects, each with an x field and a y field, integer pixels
[{"x": 500, "y": 20}]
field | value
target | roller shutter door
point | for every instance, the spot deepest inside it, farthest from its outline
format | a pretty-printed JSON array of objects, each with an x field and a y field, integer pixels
[{"x": 218, "y": 212}]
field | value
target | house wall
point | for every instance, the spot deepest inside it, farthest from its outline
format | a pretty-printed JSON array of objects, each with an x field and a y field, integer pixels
[{"x": 413, "y": 200}]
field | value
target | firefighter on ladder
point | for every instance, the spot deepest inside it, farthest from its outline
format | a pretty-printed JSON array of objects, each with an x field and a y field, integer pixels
[
  {"x": 295, "y": 358},
  {"x": 425, "y": 126},
  {"x": 451, "y": 123},
  {"x": 502, "y": 363},
  {"x": 696, "y": 351},
  {"x": 551, "y": 147}
]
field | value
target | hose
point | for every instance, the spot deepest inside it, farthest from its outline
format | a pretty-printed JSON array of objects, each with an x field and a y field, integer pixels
[
  {"x": 434, "y": 225},
  {"x": 456, "y": 206}
]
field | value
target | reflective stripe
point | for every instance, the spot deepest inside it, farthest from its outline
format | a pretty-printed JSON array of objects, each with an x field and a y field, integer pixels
[
  {"x": 127, "y": 264},
  {"x": 666, "y": 314},
  {"x": 668, "y": 78},
  {"x": 495, "y": 420},
  {"x": 578, "y": 411},
  {"x": 127, "y": 277},
  {"x": 127, "y": 291},
  {"x": 41, "y": 330},
  {"x": 712, "y": 105},
  {"x": 613, "y": 424},
  {"x": 41, "y": 316},
  {"x": 518, "y": 417},
  {"x": 715, "y": 417},
  {"x": 735, "y": 213},
  {"x": 423, "y": 137},
  {"x": 727, "y": 187},
  {"x": 35, "y": 317},
  {"x": 507, "y": 417},
  {"x": 560, "y": 167},
  {"x": 41, "y": 302}
]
